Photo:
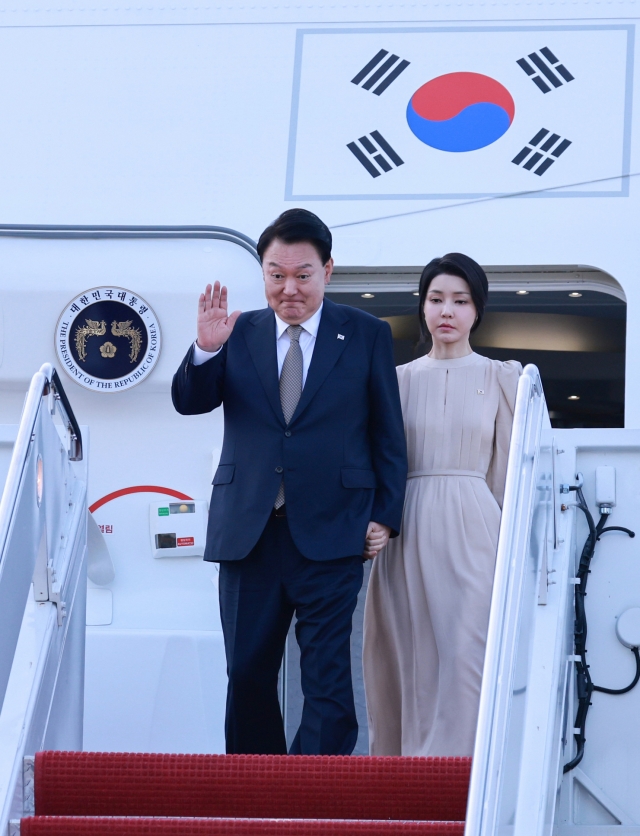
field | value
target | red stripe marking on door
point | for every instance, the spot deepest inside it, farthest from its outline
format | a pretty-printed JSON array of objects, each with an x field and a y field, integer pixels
[{"x": 136, "y": 489}]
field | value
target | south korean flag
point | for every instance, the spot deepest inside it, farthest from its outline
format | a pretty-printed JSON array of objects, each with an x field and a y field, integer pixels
[{"x": 455, "y": 113}]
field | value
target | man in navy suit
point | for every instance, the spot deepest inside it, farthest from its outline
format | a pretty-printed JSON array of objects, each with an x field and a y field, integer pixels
[{"x": 311, "y": 481}]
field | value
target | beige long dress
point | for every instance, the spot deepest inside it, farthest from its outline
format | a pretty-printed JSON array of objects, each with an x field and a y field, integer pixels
[{"x": 427, "y": 607}]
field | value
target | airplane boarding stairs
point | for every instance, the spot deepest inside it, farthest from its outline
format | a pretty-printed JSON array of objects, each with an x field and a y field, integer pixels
[{"x": 516, "y": 785}]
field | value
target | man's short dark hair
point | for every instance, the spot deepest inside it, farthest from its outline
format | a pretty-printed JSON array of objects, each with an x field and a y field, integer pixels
[{"x": 297, "y": 226}]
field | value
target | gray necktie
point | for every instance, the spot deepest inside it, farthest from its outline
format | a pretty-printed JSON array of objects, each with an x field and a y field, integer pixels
[{"x": 290, "y": 386}]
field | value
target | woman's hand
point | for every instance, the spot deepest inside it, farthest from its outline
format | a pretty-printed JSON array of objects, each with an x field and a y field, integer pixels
[
  {"x": 214, "y": 324},
  {"x": 376, "y": 539}
]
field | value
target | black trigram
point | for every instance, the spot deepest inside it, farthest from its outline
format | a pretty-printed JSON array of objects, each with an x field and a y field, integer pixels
[
  {"x": 387, "y": 72},
  {"x": 545, "y": 62},
  {"x": 538, "y": 158},
  {"x": 375, "y": 158}
]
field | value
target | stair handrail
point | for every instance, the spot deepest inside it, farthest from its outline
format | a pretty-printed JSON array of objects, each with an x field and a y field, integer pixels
[
  {"x": 505, "y": 604},
  {"x": 44, "y": 382},
  {"x": 43, "y": 522}
]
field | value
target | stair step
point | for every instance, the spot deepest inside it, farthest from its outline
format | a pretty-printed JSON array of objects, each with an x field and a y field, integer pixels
[
  {"x": 84, "y": 826},
  {"x": 251, "y": 786}
]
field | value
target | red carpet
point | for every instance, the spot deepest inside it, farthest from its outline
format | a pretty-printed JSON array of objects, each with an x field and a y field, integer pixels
[
  {"x": 251, "y": 786},
  {"x": 78, "y": 826},
  {"x": 119, "y": 794}
]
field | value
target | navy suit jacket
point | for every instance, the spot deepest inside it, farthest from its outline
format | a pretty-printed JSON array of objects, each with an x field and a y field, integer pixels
[{"x": 342, "y": 456}]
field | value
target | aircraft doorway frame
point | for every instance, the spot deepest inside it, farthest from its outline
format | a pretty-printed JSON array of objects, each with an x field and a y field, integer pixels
[{"x": 501, "y": 278}]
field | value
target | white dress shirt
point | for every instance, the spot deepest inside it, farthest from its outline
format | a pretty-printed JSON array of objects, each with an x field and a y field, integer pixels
[{"x": 307, "y": 343}]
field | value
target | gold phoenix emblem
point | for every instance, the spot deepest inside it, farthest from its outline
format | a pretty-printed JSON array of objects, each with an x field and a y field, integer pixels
[
  {"x": 98, "y": 328},
  {"x": 124, "y": 329},
  {"x": 108, "y": 349},
  {"x": 93, "y": 328}
]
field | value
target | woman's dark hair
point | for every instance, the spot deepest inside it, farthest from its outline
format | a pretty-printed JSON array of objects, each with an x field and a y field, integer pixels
[
  {"x": 455, "y": 264},
  {"x": 294, "y": 227}
]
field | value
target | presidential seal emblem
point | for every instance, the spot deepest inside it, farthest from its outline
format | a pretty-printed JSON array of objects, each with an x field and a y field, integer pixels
[{"x": 108, "y": 339}]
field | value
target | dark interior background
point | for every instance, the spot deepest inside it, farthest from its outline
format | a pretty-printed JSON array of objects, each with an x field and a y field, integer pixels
[{"x": 577, "y": 342}]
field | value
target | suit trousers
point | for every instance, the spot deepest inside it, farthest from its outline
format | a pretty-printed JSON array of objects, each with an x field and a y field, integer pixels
[{"x": 258, "y": 598}]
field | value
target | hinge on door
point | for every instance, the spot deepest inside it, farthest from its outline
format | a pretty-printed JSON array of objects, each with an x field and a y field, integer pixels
[{"x": 55, "y": 593}]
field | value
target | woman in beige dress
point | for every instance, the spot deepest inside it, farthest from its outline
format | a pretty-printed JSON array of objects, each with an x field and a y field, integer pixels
[{"x": 427, "y": 607}]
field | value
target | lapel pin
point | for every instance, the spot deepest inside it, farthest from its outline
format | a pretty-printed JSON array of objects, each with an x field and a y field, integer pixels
[{"x": 341, "y": 336}]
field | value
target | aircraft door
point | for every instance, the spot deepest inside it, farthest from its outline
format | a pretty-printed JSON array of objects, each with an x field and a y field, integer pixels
[{"x": 155, "y": 663}]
